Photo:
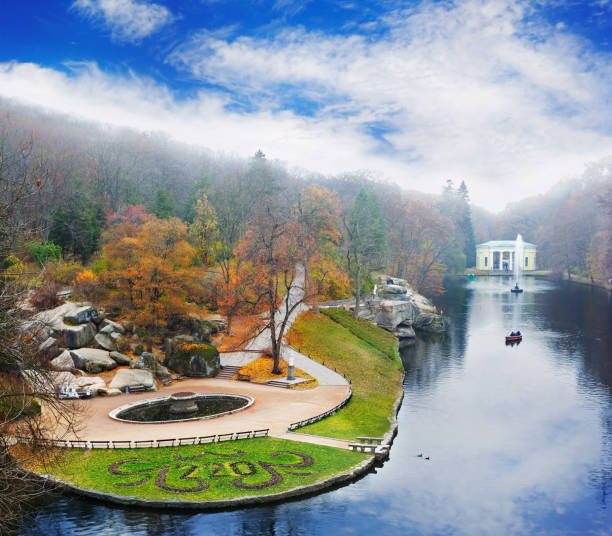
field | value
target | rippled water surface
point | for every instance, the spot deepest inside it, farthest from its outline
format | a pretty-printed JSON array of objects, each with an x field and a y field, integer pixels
[{"x": 520, "y": 438}]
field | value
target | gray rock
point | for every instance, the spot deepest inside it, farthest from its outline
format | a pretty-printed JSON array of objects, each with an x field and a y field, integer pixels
[
  {"x": 131, "y": 377},
  {"x": 50, "y": 348},
  {"x": 392, "y": 289},
  {"x": 108, "y": 326},
  {"x": 105, "y": 341},
  {"x": 121, "y": 359},
  {"x": 389, "y": 314},
  {"x": 81, "y": 315},
  {"x": 162, "y": 373},
  {"x": 63, "y": 362},
  {"x": 116, "y": 336},
  {"x": 404, "y": 332},
  {"x": 107, "y": 391},
  {"x": 146, "y": 361},
  {"x": 217, "y": 320},
  {"x": 78, "y": 336},
  {"x": 89, "y": 381},
  {"x": 93, "y": 360},
  {"x": 430, "y": 323}
]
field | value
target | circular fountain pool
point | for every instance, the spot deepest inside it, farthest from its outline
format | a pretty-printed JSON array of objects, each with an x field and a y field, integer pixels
[{"x": 185, "y": 406}]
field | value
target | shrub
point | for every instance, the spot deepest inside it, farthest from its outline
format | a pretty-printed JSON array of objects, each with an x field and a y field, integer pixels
[
  {"x": 139, "y": 349},
  {"x": 123, "y": 345},
  {"x": 42, "y": 253},
  {"x": 15, "y": 408},
  {"x": 62, "y": 272},
  {"x": 45, "y": 296},
  {"x": 87, "y": 283}
]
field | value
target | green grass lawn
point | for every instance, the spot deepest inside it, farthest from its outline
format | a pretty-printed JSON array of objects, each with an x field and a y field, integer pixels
[
  {"x": 217, "y": 471},
  {"x": 379, "y": 338},
  {"x": 373, "y": 375}
]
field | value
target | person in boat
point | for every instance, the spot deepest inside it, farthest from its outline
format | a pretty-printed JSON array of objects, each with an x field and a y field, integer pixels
[
  {"x": 516, "y": 287},
  {"x": 518, "y": 333},
  {"x": 512, "y": 334}
]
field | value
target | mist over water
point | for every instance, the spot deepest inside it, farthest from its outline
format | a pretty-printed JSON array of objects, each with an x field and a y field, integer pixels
[
  {"x": 518, "y": 257},
  {"x": 520, "y": 438}
]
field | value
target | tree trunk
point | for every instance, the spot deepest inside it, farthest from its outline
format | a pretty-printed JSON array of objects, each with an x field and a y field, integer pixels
[{"x": 357, "y": 293}]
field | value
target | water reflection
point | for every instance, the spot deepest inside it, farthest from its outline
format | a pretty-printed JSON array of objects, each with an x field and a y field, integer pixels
[{"x": 520, "y": 438}]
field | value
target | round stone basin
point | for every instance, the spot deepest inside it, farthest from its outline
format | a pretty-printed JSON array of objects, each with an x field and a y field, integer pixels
[{"x": 185, "y": 406}]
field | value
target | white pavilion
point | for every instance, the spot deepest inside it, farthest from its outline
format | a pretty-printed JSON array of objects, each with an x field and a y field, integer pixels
[{"x": 499, "y": 255}]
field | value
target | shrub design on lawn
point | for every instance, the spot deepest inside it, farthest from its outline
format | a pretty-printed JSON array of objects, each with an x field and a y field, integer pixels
[{"x": 249, "y": 474}]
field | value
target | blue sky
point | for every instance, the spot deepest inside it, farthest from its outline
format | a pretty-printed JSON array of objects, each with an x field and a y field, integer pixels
[{"x": 509, "y": 96}]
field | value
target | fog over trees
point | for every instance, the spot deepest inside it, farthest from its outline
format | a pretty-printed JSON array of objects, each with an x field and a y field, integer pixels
[{"x": 86, "y": 172}]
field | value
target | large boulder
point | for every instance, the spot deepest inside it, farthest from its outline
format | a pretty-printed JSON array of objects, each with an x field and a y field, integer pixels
[
  {"x": 392, "y": 289},
  {"x": 50, "y": 348},
  {"x": 121, "y": 359},
  {"x": 390, "y": 313},
  {"x": 80, "y": 315},
  {"x": 162, "y": 373},
  {"x": 63, "y": 361},
  {"x": 201, "y": 330},
  {"x": 105, "y": 341},
  {"x": 194, "y": 360},
  {"x": 93, "y": 360},
  {"x": 404, "y": 332},
  {"x": 430, "y": 323},
  {"x": 130, "y": 377},
  {"x": 146, "y": 361},
  {"x": 78, "y": 336},
  {"x": 91, "y": 383},
  {"x": 217, "y": 320},
  {"x": 108, "y": 326}
]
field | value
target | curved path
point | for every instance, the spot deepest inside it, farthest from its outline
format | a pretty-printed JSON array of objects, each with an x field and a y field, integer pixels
[{"x": 274, "y": 408}]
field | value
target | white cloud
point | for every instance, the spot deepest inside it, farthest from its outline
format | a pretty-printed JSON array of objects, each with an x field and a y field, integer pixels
[
  {"x": 472, "y": 91},
  {"x": 128, "y": 20}
]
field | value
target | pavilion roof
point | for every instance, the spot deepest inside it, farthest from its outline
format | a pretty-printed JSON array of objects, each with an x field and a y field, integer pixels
[{"x": 503, "y": 244}]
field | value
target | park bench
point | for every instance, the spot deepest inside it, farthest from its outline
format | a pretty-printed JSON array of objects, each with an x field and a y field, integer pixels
[
  {"x": 165, "y": 442},
  {"x": 139, "y": 388},
  {"x": 166, "y": 381},
  {"x": 59, "y": 442},
  {"x": 187, "y": 441},
  {"x": 363, "y": 447},
  {"x": 78, "y": 444},
  {"x": 122, "y": 444},
  {"x": 100, "y": 444},
  {"x": 261, "y": 433},
  {"x": 243, "y": 377},
  {"x": 243, "y": 435},
  {"x": 206, "y": 439},
  {"x": 376, "y": 440},
  {"x": 142, "y": 444},
  {"x": 225, "y": 437}
]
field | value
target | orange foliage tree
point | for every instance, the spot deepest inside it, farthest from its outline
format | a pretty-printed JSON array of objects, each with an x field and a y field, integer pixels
[{"x": 150, "y": 271}]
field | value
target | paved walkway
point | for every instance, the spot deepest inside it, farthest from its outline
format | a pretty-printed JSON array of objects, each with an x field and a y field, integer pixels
[{"x": 274, "y": 408}]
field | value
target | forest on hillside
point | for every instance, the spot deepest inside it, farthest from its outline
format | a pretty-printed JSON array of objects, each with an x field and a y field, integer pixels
[{"x": 155, "y": 229}]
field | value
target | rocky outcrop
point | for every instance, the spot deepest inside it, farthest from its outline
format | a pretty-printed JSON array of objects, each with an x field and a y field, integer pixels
[
  {"x": 430, "y": 323},
  {"x": 146, "y": 361},
  {"x": 108, "y": 326},
  {"x": 92, "y": 360},
  {"x": 105, "y": 341},
  {"x": 63, "y": 362},
  {"x": 194, "y": 360},
  {"x": 132, "y": 377},
  {"x": 50, "y": 348},
  {"x": 78, "y": 336},
  {"x": 121, "y": 359},
  {"x": 80, "y": 315}
]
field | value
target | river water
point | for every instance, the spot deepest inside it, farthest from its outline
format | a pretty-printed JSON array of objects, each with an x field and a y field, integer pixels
[{"x": 519, "y": 438}]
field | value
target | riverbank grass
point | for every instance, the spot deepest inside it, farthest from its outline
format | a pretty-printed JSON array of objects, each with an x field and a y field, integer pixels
[
  {"x": 374, "y": 376},
  {"x": 217, "y": 471}
]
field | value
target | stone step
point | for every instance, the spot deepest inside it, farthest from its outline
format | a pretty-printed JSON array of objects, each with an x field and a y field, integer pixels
[
  {"x": 228, "y": 371},
  {"x": 275, "y": 383}
]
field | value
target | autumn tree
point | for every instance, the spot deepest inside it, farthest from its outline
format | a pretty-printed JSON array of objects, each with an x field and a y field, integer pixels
[
  {"x": 203, "y": 229},
  {"x": 366, "y": 240},
  {"x": 316, "y": 214},
  {"x": 270, "y": 245},
  {"x": 150, "y": 271}
]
